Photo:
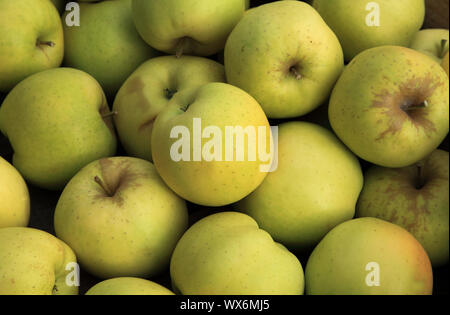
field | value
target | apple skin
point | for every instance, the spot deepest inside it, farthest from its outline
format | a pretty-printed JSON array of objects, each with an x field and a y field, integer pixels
[
  {"x": 33, "y": 262},
  {"x": 227, "y": 254},
  {"x": 106, "y": 44},
  {"x": 24, "y": 24},
  {"x": 132, "y": 233},
  {"x": 328, "y": 181},
  {"x": 15, "y": 205},
  {"x": 128, "y": 286},
  {"x": 215, "y": 183},
  {"x": 178, "y": 26},
  {"x": 417, "y": 202},
  {"x": 285, "y": 56},
  {"x": 337, "y": 266},
  {"x": 142, "y": 97},
  {"x": 429, "y": 42},
  {"x": 400, "y": 20},
  {"x": 377, "y": 106},
  {"x": 54, "y": 122}
]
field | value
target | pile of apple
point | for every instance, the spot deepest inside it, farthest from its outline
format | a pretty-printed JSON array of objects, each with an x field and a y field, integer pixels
[{"x": 359, "y": 93}]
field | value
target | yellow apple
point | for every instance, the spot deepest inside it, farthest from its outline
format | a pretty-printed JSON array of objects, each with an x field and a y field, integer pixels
[{"x": 128, "y": 286}]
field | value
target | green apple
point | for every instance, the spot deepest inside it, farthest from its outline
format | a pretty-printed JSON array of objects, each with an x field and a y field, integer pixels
[
  {"x": 391, "y": 106},
  {"x": 364, "y": 24},
  {"x": 227, "y": 254},
  {"x": 149, "y": 89},
  {"x": 285, "y": 56},
  {"x": 192, "y": 27},
  {"x": 106, "y": 44},
  {"x": 31, "y": 40},
  {"x": 369, "y": 256},
  {"x": 14, "y": 196},
  {"x": 57, "y": 122},
  {"x": 208, "y": 169},
  {"x": 33, "y": 262},
  {"x": 128, "y": 286},
  {"x": 319, "y": 180},
  {"x": 432, "y": 42},
  {"x": 120, "y": 218},
  {"x": 414, "y": 197}
]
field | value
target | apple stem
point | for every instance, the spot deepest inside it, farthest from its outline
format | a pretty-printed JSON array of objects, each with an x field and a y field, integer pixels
[
  {"x": 48, "y": 43},
  {"x": 104, "y": 186},
  {"x": 296, "y": 74},
  {"x": 109, "y": 115},
  {"x": 181, "y": 47},
  {"x": 420, "y": 179}
]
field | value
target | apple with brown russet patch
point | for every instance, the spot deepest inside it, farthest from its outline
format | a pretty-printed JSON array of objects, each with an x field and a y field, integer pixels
[
  {"x": 391, "y": 106},
  {"x": 120, "y": 218},
  {"x": 414, "y": 197}
]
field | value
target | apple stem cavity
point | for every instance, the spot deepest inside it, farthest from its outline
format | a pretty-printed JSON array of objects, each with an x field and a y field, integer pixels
[
  {"x": 420, "y": 176},
  {"x": 102, "y": 184},
  {"x": 295, "y": 73}
]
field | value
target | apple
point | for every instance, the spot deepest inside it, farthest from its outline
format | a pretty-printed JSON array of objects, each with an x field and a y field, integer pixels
[
  {"x": 120, "y": 218},
  {"x": 198, "y": 148},
  {"x": 31, "y": 40},
  {"x": 149, "y": 89},
  {"x": 33, "y": 262},
  {"x": 432, "y": 42},
  {"x": 57, "y": 122},
  {"x": 363, "y": 24},
  {"x": 415, "y": 198},
  {"x": 391, "y": 106},
  {"x": 319, "y": 180},
  {"x": 445, "y": 63},
  {"x": 106, "y": 44},
  {"x": 285, "y": 56},
  {"x": 368, "y": 256},
  {"x": 227, "y": 254},
  {"x": 128, "y": 286},
  {"x": 14, "y": 196},
  {"x": 191, "y": 27}
]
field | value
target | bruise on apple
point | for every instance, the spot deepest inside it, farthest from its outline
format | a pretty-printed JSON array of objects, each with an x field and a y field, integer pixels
[
  {"x": 408, "y": 103},
  {"x": 115, "y": 177}
]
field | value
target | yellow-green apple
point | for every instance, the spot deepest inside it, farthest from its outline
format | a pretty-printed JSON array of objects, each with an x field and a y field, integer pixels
[
  {"x": 106, "y": 44},
  {"x": 414, "y": 197},
  {"x": 33, "y": 262},
  {"x": 445, "y": 63},
  {"x": 319, "y": 180},
  {"x": 391, "y": 106},
  {"x": 31, "y": 40},
  {"x": 128, "y": 286},
  {"x": 432, "y": 42},
  {"x": 364, "y": 24},
  {"x": 369, "y": 256},
  {"x": 228, "y": 254},
  {"x": 14, "y": 196},
  {"x": 57, "y": 121},
  {"x": 285, "y": 56},
  {"x": 120, "y": 218},
  {"x": 191, "y": 27},
  {"x": 149, "y": 89},
  {"x": 210, "y": 144}
]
